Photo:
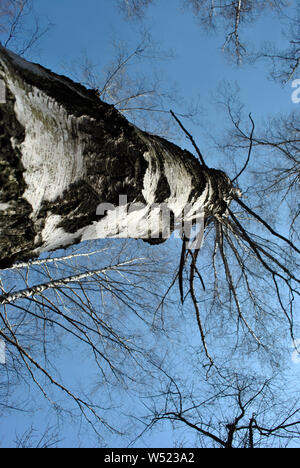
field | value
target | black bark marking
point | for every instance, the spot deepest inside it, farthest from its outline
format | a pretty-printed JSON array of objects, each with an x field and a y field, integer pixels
[
  {"x": 163, "y": 191},
  {"x": 17, "y": 229}
]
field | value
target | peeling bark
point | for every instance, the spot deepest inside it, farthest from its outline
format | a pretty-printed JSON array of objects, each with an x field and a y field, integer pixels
[{"x": 64, "y": 152}]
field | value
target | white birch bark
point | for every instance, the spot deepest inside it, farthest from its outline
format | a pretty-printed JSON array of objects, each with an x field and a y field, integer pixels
[{"x": 67, "y": 159}]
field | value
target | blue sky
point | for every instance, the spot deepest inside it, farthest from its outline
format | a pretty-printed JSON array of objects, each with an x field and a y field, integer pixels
[
  {"x": 198, "y": 69},
  {"x": 198, "y": 66}
]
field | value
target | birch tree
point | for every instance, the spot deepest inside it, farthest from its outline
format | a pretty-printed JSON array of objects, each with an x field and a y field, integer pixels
[
  {"x": 230, "y": 17},
  {"x": 228, "y": 410},
  {"x": 98, "y": 317},
  {"x": 143, "y": 98},
  {"x": 14, "y": 30},
  {"x": 86, "y": 156},
  {"x": 284, "y": 59},
  {"x": 74, "y": 169}
]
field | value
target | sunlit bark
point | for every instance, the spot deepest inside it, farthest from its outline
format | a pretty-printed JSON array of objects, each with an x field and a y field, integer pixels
[{"x": 67, "y": 158}]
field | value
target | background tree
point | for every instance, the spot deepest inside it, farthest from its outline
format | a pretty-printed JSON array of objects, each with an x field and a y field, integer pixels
[
  {"x": 228, "y": 410},
  {"x": 14, "y": 29},
  {"x": 229, "y": 16},
  {"x": 285, "y": 62},
  {"x": 89, "y": 313},
  {"x": 32, "y": 439},
  {"x": 275, "y": 148},
  {"x": 143, "y": 98}
]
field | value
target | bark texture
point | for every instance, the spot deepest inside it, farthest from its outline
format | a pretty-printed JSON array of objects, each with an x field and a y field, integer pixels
[{"x": 63, "y": 152}]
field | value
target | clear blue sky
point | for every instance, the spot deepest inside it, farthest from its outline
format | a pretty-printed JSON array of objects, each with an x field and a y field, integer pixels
[{"x": 198, "y": 68}]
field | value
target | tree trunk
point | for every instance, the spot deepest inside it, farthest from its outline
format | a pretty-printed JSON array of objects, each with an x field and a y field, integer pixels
[{"x": 66, "y": 158}]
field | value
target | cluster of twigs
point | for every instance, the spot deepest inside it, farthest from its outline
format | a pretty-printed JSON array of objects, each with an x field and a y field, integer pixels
[{"x": 233, "y": 240}]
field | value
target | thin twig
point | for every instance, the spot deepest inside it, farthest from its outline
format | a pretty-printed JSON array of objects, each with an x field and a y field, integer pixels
[{"x": 190, "y": 138}]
